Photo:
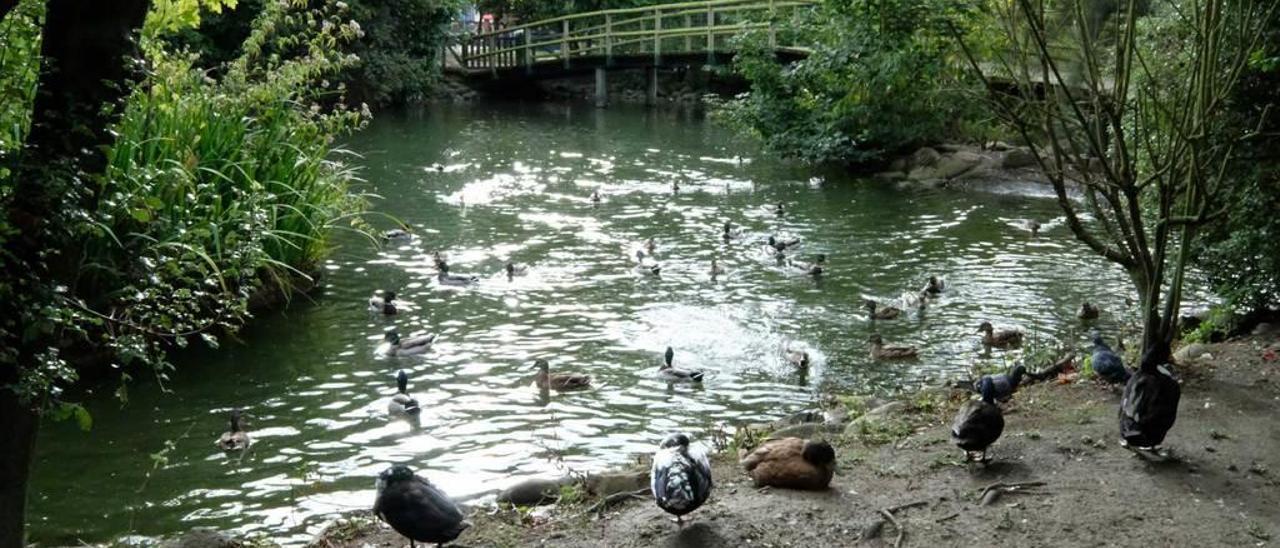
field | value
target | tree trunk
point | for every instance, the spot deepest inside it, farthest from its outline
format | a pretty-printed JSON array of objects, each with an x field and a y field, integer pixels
[
  {"x": 17, "y": 442},
  {"x": 85, "y": 53}
]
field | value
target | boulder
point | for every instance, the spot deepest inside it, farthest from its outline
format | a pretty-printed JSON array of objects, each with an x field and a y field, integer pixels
[
  {"x": 609, "y": 483},
  {"x": 1190, "y": 352},
  {"x": 1018, "y": 158},
  {"x": 806, "y": 430},
  {"x": 924, "y": 157},
  {"x": 956, "y": 164},
  {"x": 533, "y": 492},
  {"x": 202, "y": 538}
]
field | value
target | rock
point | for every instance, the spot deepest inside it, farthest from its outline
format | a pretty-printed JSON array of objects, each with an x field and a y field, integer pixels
[
  {"x": 609, "y": 483},
  {"x": 922, "y": 173},
  {"x": 953, "y": 148},
  {"x": 999, "y": 146},
  {"x": 1018, "y": 158},
  {"x": 202, "y": 538},
  {"x": 925, "y": 157},
  {"x": 1264, "y": 328},
  {"x": 955, "y": 164},
  {"x": 1190, "y": 352},
  {"x": 533, "y": 492},
  {"x": 835, "y": 416},
  {"x": 807, "y": 430},
  {"x": 891, "y": 408}
]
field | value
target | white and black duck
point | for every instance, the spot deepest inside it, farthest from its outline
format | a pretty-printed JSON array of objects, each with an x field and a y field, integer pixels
[
  {"x": 979, "y": 422},
  {"x": 680, "y": 478},
  {"x": 417, "y": 509},
  {"x": 402, "y": 404},
  {"x": 393, "y": 345},
  {"x": 670, "y": 373},
  {"x": 235, "y": 438},
  {"x": 776, "y": 246},
  {"x": 383, "y": 303},
  {"x": 1149, "y": 405},
  {"x": 396, "y": 235},
  {"x": 1003, "y": 384},
  {"x": 646, "y": 265},
  {"x": 934, "y": 285},
  {"x": 1107, "y": 364},
  {"x": 730, "y": 232},
  {"x": 514, "y": 270},
  {"x": 445, "y": 278}
]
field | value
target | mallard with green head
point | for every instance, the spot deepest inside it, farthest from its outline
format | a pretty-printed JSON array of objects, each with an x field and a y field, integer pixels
[
  {"x": 402, "y": 404},
  {"x": 412, "y": 346},
  {"x": 670, "y": 373},
  {"x": 384, "y": 303}
]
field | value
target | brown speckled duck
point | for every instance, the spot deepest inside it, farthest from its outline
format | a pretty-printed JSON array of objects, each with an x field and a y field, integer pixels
[
  {"x": 881, "y": 312},
  {"x": 234, "y": 439},
  {"x": 559, "y": 381},
  {"x": 1005, "y": 338},
  {"x": 1088, "y": 311},
  {"x": 792, "y": 463},
  {"x": 881, "y": 352}
]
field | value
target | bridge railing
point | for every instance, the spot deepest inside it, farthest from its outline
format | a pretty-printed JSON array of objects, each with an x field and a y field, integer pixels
[{"x": 681, "y": 28}]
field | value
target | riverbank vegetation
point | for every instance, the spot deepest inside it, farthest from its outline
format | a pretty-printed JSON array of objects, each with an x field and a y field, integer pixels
[{"x": 181, "y": 195}]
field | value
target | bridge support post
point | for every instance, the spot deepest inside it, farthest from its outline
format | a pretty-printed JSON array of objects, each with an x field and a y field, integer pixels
[
  {"x": 651, "y": 81},
  {"x": 602, "y": 88}
]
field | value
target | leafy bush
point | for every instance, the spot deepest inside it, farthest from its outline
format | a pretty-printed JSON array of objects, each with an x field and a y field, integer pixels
[
  {"x": 880, "y": 79},
  {"x": 399, "y": 49}
]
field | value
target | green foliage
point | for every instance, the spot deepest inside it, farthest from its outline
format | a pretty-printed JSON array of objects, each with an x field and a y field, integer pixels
[
  {"x": 398, "y": 49},
  {"x": 174, "y": 15},
  {"x": 20, "y": 34},
  {"x": 216, "y": 190},
  {"x": 881, "y": 78},
  {"x": 531, "y": 10},
  {"x": 571, "y": 494}
]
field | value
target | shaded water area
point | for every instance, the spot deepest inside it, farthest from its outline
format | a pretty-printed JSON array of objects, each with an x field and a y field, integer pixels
[{"x": 513, "y": 183}]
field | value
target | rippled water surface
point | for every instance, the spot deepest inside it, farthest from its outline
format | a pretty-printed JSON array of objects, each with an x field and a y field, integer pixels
[{"x": 511, "y": 183}]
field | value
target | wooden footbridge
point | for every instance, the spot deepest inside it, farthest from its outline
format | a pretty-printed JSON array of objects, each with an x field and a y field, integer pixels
[{"x": 679, "y": 34}]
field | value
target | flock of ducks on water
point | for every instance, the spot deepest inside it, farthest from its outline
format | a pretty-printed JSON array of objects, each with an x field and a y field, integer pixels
[{"x": 680, "y": 476}]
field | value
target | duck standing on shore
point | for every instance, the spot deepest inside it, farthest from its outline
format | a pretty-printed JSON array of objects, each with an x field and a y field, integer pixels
[
  {"x": 417, "y": 509},
  {"x": 402, "y": 404},
  {"x": 1106, "y": 363},
  {"x": 1149, "y": 405},
  {"x": 792, "y": 463},
  {"x": 1004, "y": 338},
  {"x": 234, "y": 439},
  {"x": 680, "y": 478},
  {"x": 979, "y": 423}
]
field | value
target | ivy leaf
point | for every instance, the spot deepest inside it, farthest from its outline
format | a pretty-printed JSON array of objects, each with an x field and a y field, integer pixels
[{"x": 74, "y": 411}]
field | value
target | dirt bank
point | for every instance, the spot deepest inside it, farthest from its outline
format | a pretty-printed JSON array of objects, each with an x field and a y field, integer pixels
[{"x": 1220, "y": 489}]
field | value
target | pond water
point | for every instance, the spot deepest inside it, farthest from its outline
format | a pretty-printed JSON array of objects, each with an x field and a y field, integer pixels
[{"x": 498, "y": 183}]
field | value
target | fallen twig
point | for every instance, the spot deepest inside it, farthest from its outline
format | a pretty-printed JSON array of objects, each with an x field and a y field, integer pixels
[
  {"x": 948, "y": 517},
  {"x": 1053, "y": 370},
  {"x": 875, "y": 529},
  {"x": 992, "y": 492},
  {"x": 889, "y": 516},
  {"x": 613, "y": 499}
]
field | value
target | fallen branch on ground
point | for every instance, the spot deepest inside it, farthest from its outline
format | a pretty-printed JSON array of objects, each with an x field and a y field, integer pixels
[
  {"x": 1052, "y": 371},
  {"x": 991, "y": 493},
  {"x": 874, "y": 529}
]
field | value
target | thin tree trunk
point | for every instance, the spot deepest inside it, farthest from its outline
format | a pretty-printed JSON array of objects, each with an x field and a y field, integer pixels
[{"x": 85, "y": 53}]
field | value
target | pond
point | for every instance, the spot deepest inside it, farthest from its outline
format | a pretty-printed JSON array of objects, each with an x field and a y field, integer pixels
[{"x": 493, "y": 184}]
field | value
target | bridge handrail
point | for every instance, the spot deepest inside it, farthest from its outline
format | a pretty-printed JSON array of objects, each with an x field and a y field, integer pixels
[{"x": 704, "y": 4}]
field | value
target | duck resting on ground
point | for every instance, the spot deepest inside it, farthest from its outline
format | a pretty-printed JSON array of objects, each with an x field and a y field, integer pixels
[
  {"x": 402, "y": 404},
  {"x": 881, "y": 352},
  {"x": 234, "y": 439},
  {"x": 384, "y": 304},
  {"x": 1149, "y": 405},
  {"x": 1106, "y": 364},
  {"x": 1005, "y": 338},
  {"x": 668, "y": 371},
  {"x": 878, "y": 312},
  {"x": 979, "y": 423},
  {"x": 417, "y": 509},
  {"x": 1003, "y": 385},
  {"x": 558, "y": 381},
  {"x": 1088, "y": 311},
  {"x": 395, "y": 346},
  {"x": 934, "y": 286},
  {"x": 680, "y": 478},
  {"x": 445, "y": 278},
  {"x": 791, "y": 463}
]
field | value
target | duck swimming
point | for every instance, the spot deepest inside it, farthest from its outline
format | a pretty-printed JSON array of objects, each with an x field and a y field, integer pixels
[
  {"x": 668, "y": 372},
  {"x": 730, "y": 233},
  {"x": 777, "y": 246},
  {"x": 412, "y": 346},
  {"x": 234, "y": 439},
  {"x": 878, "y": 312},
  {"x": 1106, "y": 363},
  {"x": 648, "y": 267},
  {"x": 514, "y": 270},
  {"x": 396, "y": 234},
  {"x": 402, "y": 404},
  {"x": 417, "y": 509},
  {"x": 384, "y": 304},
  {"x": 881, "y": 352},
  {"x": 798, "y": 359},
  {"x": 1003, "y": 385},
  {"x": 445, "y": 278},
  {"x": 558, "y": 381},
  {"x": 680, "y": 478},
  {"x": 791, "y": 463},
  {"x": 979, "y": 423},
  {"x": 1149, "y": 405},
  {"x": 815, "y": 268},
  {"x": 934, "y": 286},
  {"x": 1088, "y": 311},
  {"x": 595, "y": 196},
  {"x": 1005, "y": 338},
  {"x": 716, "y": 269}
]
